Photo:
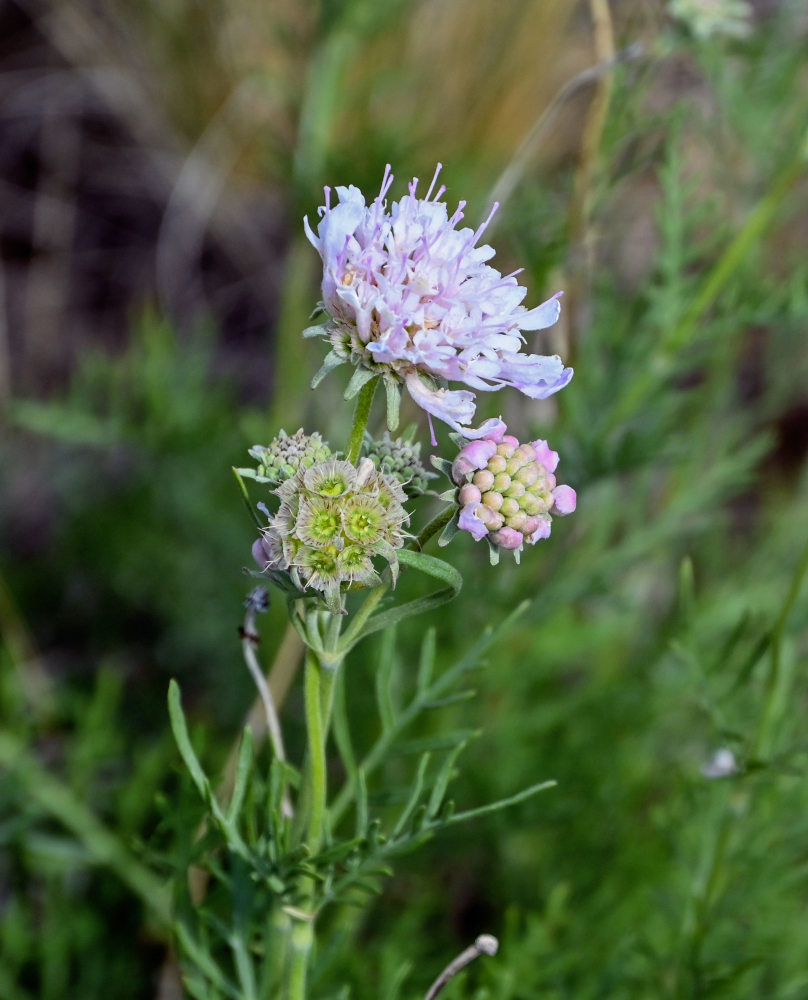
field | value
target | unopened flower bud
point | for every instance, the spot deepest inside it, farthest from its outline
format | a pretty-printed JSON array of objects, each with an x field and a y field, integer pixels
[
  {"x": 507, "y": 538},
  {"x": 468, "y": 494},
  {"x": 492, "y": 499},
  {"x": 484, "y": 479},
  {"x": 284, "y": 456},
  {"x": 510, "y": 497},
  {"x": 517, "y": 521},
  {"x": 527, "y": 474},
  {"x": 401, "y": 460}
]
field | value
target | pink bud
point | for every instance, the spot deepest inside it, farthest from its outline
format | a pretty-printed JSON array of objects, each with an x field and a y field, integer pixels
[
  {"x": 507, "y": 538},
  {"x": 468, "y": 494}
]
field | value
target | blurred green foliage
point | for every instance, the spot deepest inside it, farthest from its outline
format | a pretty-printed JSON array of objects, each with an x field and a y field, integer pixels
[{"x": 666, "y": 621}]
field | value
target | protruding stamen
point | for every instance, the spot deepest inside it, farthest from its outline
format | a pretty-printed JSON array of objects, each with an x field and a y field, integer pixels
[{"x": 438, "y": 169}]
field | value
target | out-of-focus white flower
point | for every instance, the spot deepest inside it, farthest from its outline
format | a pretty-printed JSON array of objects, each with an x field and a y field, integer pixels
[
  {"x": 722, "y": 764},
  {"x": 411, "y": 298},
  {"x": 713, "y": 18}
]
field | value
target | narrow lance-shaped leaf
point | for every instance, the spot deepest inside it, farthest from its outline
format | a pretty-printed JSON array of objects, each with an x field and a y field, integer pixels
[
  {"x": 512, "y": 800},
  {"x": 384, "y": 679},
  {"x": 436, "y": 568},
  {"x": 331, "y": 361},
  {"x": 436, "y": 690},
  {"x": 393, "y": 403},
  {"x": 360, "y": 377},
  {"x": 180, "y": 730},
  {"x": 243, "y": 767},
  {"x": 246, "y": 498},
  {"x": 445, "y": 775},
  {"x": 414, "y": 796},
  {"x": 426, "y": 662}
]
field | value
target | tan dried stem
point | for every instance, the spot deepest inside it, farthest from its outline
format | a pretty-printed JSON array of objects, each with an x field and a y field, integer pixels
[
  {"x": 486, "y": 944},
  {"x": 581, "y": 235}
]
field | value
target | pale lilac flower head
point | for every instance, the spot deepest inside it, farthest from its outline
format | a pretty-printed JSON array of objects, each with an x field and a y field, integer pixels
[
  {"x": 411, "y": 297},
  {"x": 507, "y": 491}
]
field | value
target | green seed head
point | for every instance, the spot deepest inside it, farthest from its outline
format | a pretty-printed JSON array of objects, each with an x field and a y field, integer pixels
[
  {"x": 332, "y": 479},
  {"x": 334, "y": 519},
  {"x": 318, "y": 522},
  {"x": 364, "y": 520}
]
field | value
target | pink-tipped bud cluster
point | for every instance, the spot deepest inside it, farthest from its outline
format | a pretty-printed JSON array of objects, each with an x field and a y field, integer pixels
[{"x": 507, "y": 491}]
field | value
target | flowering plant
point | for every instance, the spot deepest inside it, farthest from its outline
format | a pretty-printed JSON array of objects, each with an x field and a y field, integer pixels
[{"x": 410, "y": 301}]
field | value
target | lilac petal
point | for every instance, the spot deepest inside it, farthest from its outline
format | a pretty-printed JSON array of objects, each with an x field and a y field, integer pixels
[
  {"x": 565, "y": 499},
  {"x": 477, "y": 453},
  {"x": 546, "y": 455},
  {"x": 468, "y": 522},
  {"x": 261, "y": 553},
  {"x": 341, "y": 221},
  {"x": 487, "y": 429},
  {"x": 542, "y": 316},
  {"x": 454, "y": 407},
  {"x": 543, "y": 530}
]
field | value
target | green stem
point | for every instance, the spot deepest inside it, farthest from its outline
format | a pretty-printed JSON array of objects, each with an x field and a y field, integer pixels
[
  {"x": 361, "y": 415},
  {"x": 316, "y": 739},
  {"x": 245, "y": 496},
  {"x": 774, "y": 697},
  {"x": 438, "y": 522},
  {"x": 320, "y": 675},
  {"x": 354, "y": 630},
  {"x": 301, "y": 941}
]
